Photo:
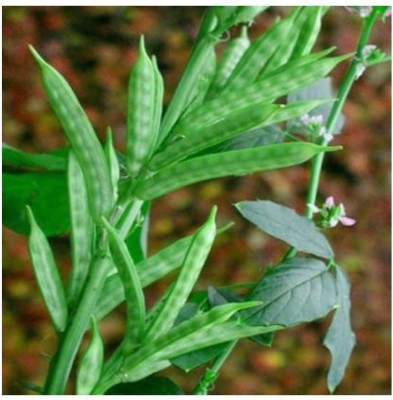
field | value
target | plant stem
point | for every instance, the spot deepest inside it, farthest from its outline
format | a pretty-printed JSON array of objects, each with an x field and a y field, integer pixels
[
  {"x": 342, "y": 95},
  {"x": 63, "y": 359},
  {"x": 316, "y": 168},
  {"x": 211, "y": 374}
]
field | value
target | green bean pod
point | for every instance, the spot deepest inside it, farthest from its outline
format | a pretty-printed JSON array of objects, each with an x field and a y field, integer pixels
[
  {"x": 228, "y": 61},
  {"x": 259, "y": 53},
  {"x": 90, "y": 365},
  {"x": 135, "y": 301},
  {"x": 82, "y": 230},
  {"x": 284, "y": 50},
  {"x": 237, "y": 162},
  {"x": 158, "y": 101},
  {"x": 308, "y": 34},
  {"x": 141, "y": 108},
  {"x": 190, "y": 270},
  {"x": 217, "y": 125},
  {"x": 292, "y": 76},
  {"x": 113, "y": 162},
  {"x": 165, "y": 346},
  {"x": 150, "y": 270},
  {"x": 82, "y": 138},
  {"x": 47, "y": 275}
]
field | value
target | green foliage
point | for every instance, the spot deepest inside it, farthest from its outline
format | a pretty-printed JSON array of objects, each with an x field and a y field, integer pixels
[
  {"x": 222, "y": 120},
  {"x": 285, "y": 224}
]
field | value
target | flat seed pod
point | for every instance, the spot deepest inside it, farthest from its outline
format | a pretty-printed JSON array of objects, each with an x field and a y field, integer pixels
[
  {"x": 82, "y": 230},
  {"x": 238, "y": 162},
  {"x": 308, "y": 34},
  {"x": 294, "y": 75},
  {"x": 190, "y": 270},
  {"x": 128, "y": 274},
  {"x": 112, "y": 161},
  {"x": 90, "y": 366},
  {"x": 47, "y": 275},
  {"x": 158, "y": 98},
  {"x": 228, "y": 61},
  {"x": 81, "y": 136},
  {"x": 141, "y": 107},
  {"x": 217, "y": 126},
  {"x": 258, "y": 54}
]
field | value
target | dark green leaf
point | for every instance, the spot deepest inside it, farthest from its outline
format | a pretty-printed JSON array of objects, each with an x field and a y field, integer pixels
[
  {"x": 295, "y": 291},
  {"x": 340, "y": 338},
  {"x": 157, "y": 385},
  {"x": 321, "y": 89},
  {"x": 45, "y": 193},
  {"x": 56, "y": 160},
  {"x": 284, "y": 224}
]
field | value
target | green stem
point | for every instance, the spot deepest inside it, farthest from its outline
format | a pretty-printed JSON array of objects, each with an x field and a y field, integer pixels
[
  {"x": 211, "y": 374},
  {"x": 342, "y": 95},
  {"x": 63, "y": 359}
]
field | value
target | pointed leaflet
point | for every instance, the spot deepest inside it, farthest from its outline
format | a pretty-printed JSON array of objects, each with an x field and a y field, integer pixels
[
  {"x": 284, "y": 224},
  {"x": 112, "y": 161},
  {"x": 90, "y": 366},
  {"x": 47, "y": 275},
  {"x": 340, "y": 338},
  {"x": 295, "y": 291}
]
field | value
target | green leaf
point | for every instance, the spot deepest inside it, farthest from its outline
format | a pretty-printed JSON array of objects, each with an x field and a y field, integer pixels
[
  {"x": 45, "y": 193},
  {"x": 321, "y": 89},
  {"x": 284, "y": 224},
  {"x": 340, "y": 338},
  {"x": 56, "y": 160},
  {"x": 157, "y": 385},
  {"x": 295, "y": 291}
]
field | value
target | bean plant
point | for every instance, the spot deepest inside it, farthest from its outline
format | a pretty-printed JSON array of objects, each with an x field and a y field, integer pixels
[{"x": 263, "y": 104}]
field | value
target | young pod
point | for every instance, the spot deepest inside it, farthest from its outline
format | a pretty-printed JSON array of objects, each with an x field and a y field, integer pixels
[
  {"x": 228, "y": 61},
  {"x": 82, "y": 138},
  {"x": 141, "y": 106},
  {"x": 82, "y": 230},
  {"x": 258, "y": 54},
  {"x": 47, "y": 275},
  {"x": 90, "y": 365},
  {"x": 308, "y": 33},
  {"x": 158, "y": 101},
  {"x": 135, "y": 301},
  {"x": 237, "y": 162},
  {"x": 112, "y": 161},
  {"x": 217, "y": 125},
  {"x": 190, "y": 270}
]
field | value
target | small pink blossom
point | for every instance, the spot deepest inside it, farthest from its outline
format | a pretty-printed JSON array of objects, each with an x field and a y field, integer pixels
[{"x": 332, "y": 214}]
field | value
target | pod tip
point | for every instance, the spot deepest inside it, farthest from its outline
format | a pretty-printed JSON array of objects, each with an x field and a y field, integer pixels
[{"x": 36, "y": 55}]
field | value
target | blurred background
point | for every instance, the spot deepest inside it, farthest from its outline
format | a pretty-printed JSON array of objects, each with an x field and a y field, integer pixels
[{"x": 94, "y": 48}]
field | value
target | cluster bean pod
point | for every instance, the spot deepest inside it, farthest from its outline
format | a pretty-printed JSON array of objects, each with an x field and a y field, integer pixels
[
  {"x": 82, "y": 230},
  {"x": 237, "y": 162},
  {"x": 228, "y": 61},
  {"x": 47, "y": 275},
  {"x": 217, "y": 126},
  {"x": 113, "y": 162},
  {"x": 128, "y": 274},
  {"x": 90, "y": 366},
  {"x": 141, "y": 108},
  {"x": 82, "y": 138},
  {"x": 190, "y": 270}
]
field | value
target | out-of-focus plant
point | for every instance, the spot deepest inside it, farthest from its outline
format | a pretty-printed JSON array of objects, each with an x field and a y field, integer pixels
[{"x": 227, "y": 117}]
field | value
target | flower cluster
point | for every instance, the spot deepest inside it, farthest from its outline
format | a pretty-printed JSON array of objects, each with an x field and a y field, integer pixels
[
  {"x": 331, "y": 214},
  {"x": 314, "y": 126}
]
